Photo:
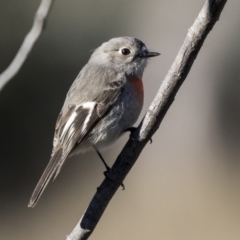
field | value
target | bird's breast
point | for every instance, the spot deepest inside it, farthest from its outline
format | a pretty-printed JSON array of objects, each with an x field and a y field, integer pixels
[
  {"x": 122, "y": 115},
  {"x": 137, "y": 86}
]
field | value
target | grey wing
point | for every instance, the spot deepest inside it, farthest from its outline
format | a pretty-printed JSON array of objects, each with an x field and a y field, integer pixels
[
  {"x": 79, "y": 118},
  {"x": 74, "y": 123}
]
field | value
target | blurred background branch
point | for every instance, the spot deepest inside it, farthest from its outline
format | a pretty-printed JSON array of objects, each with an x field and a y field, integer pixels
[
  {"x": 177, "y": 74},
  {"x": 28, "y": 43}
]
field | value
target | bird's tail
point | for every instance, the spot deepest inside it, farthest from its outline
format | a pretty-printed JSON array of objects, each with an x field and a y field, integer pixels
[{"x": 53, "y": 165}]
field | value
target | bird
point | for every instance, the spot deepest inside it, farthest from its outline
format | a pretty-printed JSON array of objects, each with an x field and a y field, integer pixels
[{"x": 104, "y": 101}]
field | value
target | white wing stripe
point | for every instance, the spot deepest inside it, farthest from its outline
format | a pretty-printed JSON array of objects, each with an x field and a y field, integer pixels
[
  {"x": 69, "y": 126},
  {"x": 68, "y": 123},
  {"x": 90, "y": 106}
]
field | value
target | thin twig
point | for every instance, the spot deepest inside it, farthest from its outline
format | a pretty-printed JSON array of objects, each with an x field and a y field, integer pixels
[
  {"x": 28, "y": 43},
  {"x": 163, "y": 100}
]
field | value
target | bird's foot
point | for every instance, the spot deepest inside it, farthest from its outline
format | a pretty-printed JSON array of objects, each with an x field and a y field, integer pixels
[{"x": 106, "y": 175}]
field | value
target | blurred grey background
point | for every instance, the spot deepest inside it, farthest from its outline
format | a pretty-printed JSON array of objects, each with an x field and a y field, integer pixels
[{"x": 186, "y": 185}]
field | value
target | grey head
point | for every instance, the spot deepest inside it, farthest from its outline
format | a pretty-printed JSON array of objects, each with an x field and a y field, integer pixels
[{"x": 123, "y": 54}]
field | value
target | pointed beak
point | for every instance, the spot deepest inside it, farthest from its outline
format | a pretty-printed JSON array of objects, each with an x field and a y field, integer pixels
[{"x": 147, "y": 54}]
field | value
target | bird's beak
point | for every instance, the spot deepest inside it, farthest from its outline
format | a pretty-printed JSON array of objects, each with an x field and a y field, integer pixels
[{"x": 147, "y": 54}]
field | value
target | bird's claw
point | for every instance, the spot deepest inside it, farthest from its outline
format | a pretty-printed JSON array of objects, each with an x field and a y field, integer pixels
[{"x": 106, "y": 175}]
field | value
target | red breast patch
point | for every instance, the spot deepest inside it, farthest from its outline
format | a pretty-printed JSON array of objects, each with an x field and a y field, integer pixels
[{"x": 138, "y": 85}]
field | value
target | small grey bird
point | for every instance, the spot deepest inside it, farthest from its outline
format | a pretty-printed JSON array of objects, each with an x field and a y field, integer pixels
[{"x": 105, "y": 100}]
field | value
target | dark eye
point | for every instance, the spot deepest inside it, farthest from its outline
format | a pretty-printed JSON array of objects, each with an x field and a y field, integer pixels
[{"x": 125, "y": 51}]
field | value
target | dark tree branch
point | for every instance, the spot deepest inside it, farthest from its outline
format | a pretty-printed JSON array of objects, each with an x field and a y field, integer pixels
[
  {"x": 178, "y": 72},
  {"x": 27, "y": 44}
]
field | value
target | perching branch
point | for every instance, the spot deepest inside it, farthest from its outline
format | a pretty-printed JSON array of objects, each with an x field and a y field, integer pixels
[
  {"x": 27, "y": 44},
  {"x": 177, "y": 74}
]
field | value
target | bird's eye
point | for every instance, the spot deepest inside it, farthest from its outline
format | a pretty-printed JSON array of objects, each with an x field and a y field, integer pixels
[{"x": 125, "y": 51}]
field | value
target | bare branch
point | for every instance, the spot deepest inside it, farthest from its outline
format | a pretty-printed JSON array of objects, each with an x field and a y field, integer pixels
[
  {"x": 28, "y": 43},
  {"x": 163, "y": 100}
]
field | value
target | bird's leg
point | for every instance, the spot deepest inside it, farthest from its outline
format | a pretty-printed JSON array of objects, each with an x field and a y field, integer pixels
[
  {"x": 106, "y": 166},
  {"x": 131, "y": 130},
  {"x": 104, "y": 162}
]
